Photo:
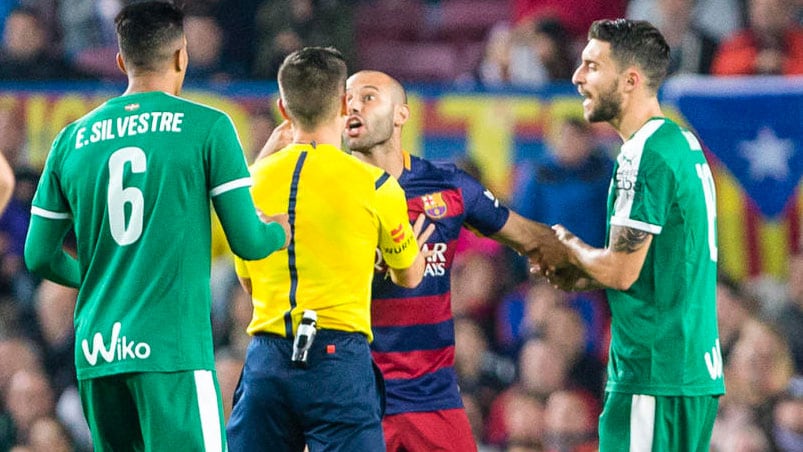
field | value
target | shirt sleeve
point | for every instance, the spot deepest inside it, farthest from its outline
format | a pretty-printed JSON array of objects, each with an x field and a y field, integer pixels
[
  {"x": 49, "y": 200},
  {"x": 397, "y": 241},
  {"x": 226, "y": 166},
  {"x": 484, "y": 212},
  {"x": 643, "y": 200}
]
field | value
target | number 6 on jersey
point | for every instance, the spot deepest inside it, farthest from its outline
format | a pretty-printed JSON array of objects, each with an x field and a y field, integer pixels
[{"x": 118, "y": 196}]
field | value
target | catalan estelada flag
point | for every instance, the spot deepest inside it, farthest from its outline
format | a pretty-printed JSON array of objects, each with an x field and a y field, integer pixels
[{"x": 753, "y": 131}]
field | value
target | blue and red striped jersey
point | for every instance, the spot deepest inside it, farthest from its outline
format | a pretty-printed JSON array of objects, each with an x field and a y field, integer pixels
[{"x": 413, "y": 328}]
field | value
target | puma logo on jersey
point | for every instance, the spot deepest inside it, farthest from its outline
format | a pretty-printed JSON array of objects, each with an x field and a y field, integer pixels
[{"x": 118, "y": 349}]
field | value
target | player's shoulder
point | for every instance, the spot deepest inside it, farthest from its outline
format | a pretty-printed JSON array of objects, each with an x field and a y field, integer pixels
[
  {"x": 440, "y": 170},
  {"x": 191, "y": 106}
]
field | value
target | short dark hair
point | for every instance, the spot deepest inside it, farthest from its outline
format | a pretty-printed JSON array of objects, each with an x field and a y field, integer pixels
[
  {"x": 147, "y": 32},
  {"x": 311, "y": 81},
  {"x": 635, "y": 42}
]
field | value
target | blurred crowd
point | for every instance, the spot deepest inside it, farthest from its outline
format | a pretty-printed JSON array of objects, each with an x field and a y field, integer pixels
[
  {"x": 531, "y": 359},
  {"x": 494, "y": 43}
]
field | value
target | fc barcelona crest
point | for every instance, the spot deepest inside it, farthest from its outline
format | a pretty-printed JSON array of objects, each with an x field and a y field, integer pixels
[{"x": 434, "y": 205}]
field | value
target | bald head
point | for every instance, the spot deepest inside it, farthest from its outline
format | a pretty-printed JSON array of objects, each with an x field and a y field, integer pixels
[
  {"x": 377, "y": 108},
  {"x": 381, "y": 81}
]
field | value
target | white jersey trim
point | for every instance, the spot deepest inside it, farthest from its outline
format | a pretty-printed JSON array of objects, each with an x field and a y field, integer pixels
[
  {"x": 642, "y": 423},
  {"x": 50, "y": 214},
  {"x": 627, "y": 171},
  {"x": 231, "y": 185},
  {"x": 635, "y": 224},
  {"x": 209, "y": 410}
]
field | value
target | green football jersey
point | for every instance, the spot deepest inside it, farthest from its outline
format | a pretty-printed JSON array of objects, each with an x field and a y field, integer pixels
[
  {"x": 136, "y": 176},
  {"x": 664, "y": 338}
]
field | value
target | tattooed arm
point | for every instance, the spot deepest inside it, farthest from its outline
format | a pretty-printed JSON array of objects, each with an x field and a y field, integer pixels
[{"x": 616, "y": 266}]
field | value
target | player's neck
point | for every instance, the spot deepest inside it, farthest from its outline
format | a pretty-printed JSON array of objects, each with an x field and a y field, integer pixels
[
  {"x": 329, "y": 133},
  {"x": 387, "y": 156},
  {"x": 635, "y": 115},
  {"x": 152, "y": 82}
]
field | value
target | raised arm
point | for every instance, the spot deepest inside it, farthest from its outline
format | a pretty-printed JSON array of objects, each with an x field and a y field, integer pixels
[{"x": 535, "y": 240}]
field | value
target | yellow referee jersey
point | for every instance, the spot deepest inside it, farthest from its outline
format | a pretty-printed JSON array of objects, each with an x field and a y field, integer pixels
[{"x": 341, "y": 210}]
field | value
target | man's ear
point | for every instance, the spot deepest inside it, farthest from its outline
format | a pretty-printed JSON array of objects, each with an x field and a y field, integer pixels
[
  {"x": 401, "y": 115},
  {"x": 180, "y": 59},
  {"x": 282, "y": 109},
  {"x": 344, "y": 105},
  {"x": 121, "y": 63},
  {"x": 633, "y": 79}
]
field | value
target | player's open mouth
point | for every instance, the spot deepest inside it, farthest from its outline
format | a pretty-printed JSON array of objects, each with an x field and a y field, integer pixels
[{"x": 353, "y": 126}]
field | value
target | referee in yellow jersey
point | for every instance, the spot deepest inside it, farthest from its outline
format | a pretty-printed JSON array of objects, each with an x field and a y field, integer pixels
[{"x": 341, "y": 211}]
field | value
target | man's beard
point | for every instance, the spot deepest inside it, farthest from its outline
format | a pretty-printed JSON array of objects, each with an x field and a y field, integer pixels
[
  {"x": 609, "y": 105},
  {"x": 366, "y": 143}
]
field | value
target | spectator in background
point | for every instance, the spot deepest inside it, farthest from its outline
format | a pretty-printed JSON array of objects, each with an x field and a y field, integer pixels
[
  {"x": 552, "y": 45},
  {"x": 575, "y": 172},
  {"x": 284, "y": 26},
  {"x": 790, "y": 318},
  {"x": 12, "y": 132},
  {"x": 570, "y": 418},
  {"x": 528, "y": 55},
  {"x": 758, "y": 373},
  {"x": 48, "y": 434},
  {"x": 576, "y": 15},
  {"x": 205, "y": 47},
  {"x": 7, "y": 183},
  {"x": 27, "y": 54},
  {"x": 28, "y": 398},
  {"x": 480, "y": 371},
  {"x": 734, "y": 310},
  {"x": 14, "y": 278},
  {"x": 787, "y": 431},
  {"x": 715, "y": 18},
  {"x": 565, "y": 329},
  {"x": 772, "y": 44},
  {"x": 87, "y": 35},
  {"x": 691, "y": 49},
  {"x": 54, "y": 306}
]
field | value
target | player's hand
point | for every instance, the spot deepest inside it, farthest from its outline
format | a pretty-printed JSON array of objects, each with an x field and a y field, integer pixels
[
  {"x": 281, "y": 136},
  {"x": 283, "y": 219},
  {"x": 422, "y": 234},
  {"x": 566, "y": 278},
  {"x": 550, "y": 254}
]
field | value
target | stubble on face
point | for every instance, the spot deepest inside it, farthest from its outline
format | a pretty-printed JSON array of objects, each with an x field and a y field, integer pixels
[{"x": 608, "y": 104}]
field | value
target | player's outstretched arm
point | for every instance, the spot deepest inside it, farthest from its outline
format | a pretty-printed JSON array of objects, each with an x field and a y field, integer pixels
[
  {"x": 7, "y": 182},
  {"x": 616, "y": 266},
  {"x": 44, "y": 251},
  {"x": 248, "y": 237},
  {"x": 535, "y": 240},
  {"x": 411, "y": 276}
]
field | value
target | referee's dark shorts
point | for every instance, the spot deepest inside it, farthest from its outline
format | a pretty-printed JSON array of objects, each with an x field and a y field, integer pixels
[{"x": 336, "y": 403}]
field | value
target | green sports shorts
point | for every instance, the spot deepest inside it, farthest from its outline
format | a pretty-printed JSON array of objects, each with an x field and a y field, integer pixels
[
  {"x": 154, "y": 411},
  {"x": 645, "y": 423}
]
